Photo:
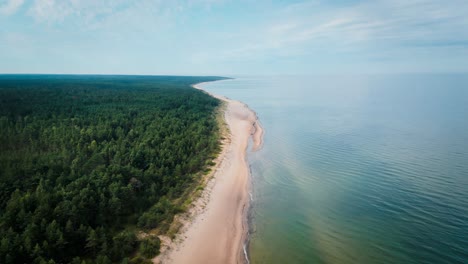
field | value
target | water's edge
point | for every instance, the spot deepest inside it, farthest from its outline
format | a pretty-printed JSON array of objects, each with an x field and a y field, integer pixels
[{"x": 248, "y": 210}]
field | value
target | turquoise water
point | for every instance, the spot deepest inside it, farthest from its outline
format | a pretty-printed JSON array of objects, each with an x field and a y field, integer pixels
[{"x": 358, "y": 169}]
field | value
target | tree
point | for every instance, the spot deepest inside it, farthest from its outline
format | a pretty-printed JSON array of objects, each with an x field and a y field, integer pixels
[
  {"x": 95, "y": 153},
  {"x": 149, "y": 247},
  {"x": 92, "y": 241}
]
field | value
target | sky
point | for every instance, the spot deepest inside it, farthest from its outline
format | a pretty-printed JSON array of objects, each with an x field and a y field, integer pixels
[{"x": 222, "y": 37}]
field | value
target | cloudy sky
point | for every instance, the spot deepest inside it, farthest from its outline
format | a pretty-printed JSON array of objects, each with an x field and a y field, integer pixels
[{"x": 233, "y": 37}]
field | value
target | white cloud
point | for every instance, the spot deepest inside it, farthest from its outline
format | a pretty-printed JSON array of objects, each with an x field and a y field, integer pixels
[
  {"x": 395, "y": 30},
  {"x": 49, "y": 10},
  {"x": 375, "y": 24},
  {"x": 308, "y": 31},
  {"x": 94, "y": 13},
  {"x": 9, "y": 7},
  {"x": 78, "y": 11}
]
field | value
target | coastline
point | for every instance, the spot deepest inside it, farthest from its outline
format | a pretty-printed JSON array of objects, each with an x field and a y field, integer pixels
[{"x": 215, "y": 228}]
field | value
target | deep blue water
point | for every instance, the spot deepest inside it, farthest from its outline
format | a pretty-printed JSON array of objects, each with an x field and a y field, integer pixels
[{"x": 358, "y": 169}]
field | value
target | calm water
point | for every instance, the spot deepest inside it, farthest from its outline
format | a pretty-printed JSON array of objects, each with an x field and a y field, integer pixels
[{"x": 366, "y": 169}]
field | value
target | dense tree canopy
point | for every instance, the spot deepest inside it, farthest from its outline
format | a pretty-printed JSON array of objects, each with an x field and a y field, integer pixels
[{"x": 86, "y": 160}]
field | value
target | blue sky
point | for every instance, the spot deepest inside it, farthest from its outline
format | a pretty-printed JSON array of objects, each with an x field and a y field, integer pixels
[{"x": 233, "y": 37}]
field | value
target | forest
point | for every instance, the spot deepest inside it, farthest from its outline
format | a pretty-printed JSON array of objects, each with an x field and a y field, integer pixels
[{"x": 87, "y": 161}]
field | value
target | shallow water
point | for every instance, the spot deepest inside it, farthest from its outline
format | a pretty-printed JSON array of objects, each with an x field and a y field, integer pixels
[{"x": 358, "y": 169}]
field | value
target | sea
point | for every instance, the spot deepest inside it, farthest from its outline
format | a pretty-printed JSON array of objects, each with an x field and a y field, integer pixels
[{"x": 357, "y": 168}]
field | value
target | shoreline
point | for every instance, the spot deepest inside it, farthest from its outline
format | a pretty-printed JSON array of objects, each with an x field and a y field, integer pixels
[{"x": 215, "y": 229}]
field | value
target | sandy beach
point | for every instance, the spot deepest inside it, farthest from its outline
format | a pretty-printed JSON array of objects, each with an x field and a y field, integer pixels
[{"x": 217, "y": 232}]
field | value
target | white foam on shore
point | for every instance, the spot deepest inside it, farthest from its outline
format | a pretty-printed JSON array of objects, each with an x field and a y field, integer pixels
[{"x": 245, "y": 253}]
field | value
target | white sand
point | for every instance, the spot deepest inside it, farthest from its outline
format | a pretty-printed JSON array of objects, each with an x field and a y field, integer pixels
[{"x": 217, "y": 233}]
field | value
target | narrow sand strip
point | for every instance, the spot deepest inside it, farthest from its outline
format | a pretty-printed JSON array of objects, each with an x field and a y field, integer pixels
[{"x": 217, "y": 234}]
